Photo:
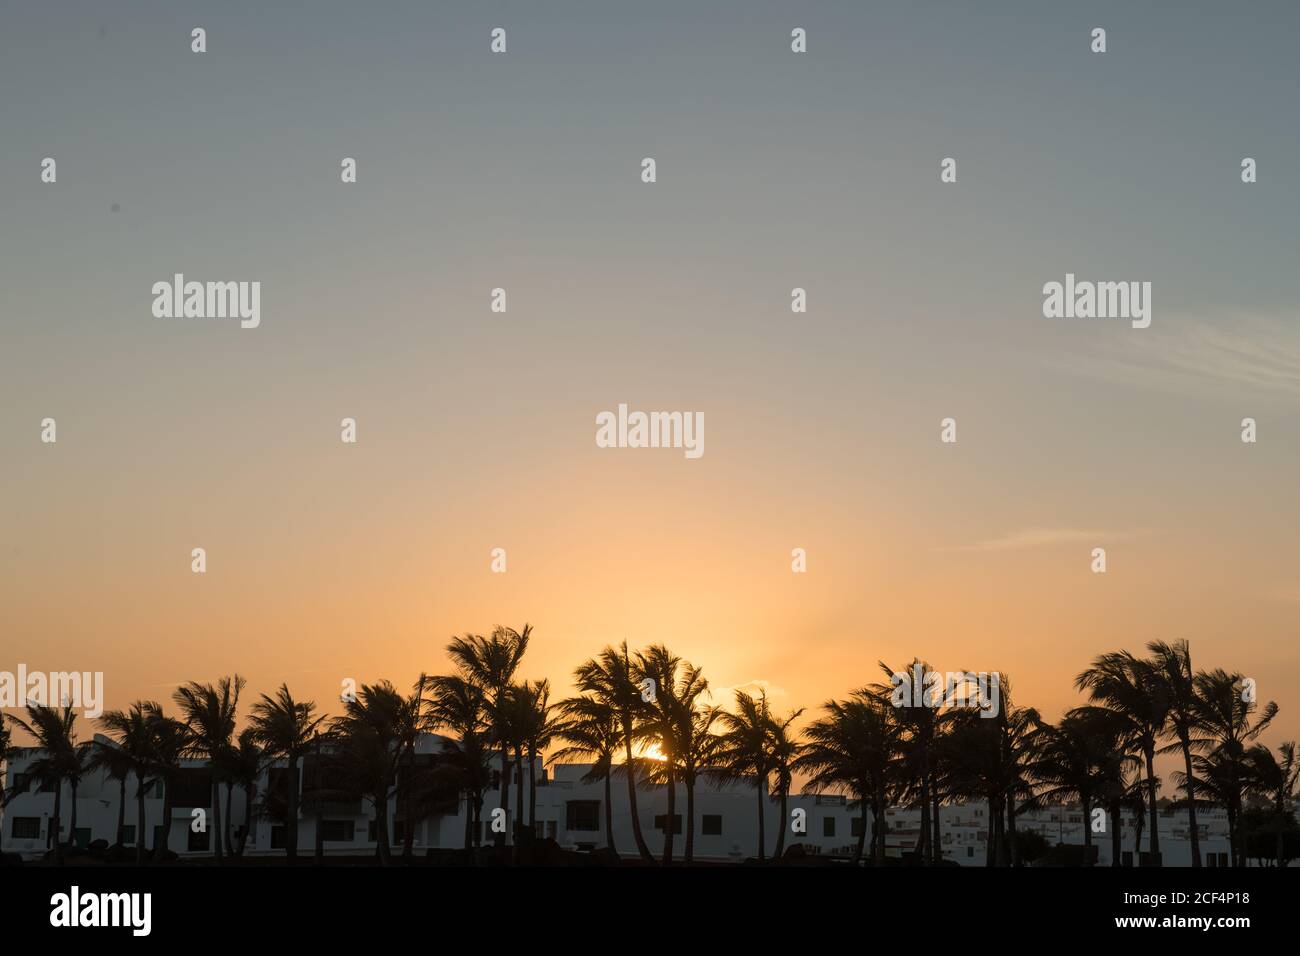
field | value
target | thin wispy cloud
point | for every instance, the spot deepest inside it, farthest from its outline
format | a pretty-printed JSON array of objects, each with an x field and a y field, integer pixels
[{"x": 1251, "y": 353}]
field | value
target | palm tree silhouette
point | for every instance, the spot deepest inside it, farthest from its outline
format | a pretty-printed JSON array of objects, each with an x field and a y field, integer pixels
[
  {"x": 609, "y": 678},
  {"x": 1074, "y": 759},
  {"x": 1223, "y": 730},
  {"x": 784, "y": 751},
  {"x": 491, "y": 663},
  {"x": 1132, "y": 688},
  {"x": 368, "y": 737},
  {"x": 853, "y": 750},
  {"x": 592, "y": 730},
  {"x": 286, "y": 728},
  {"x": 745, "y": 750},
  {"x": 244, "y": 768},
  {"x": 459, "y": 705},
  {"x": 1174, "y": 668},
  {"x": 169, "y": 740},
  {"x": 61, "y": 760},
  {"x": 1275, "y": 780},
  {"x": 129, "y": 730},
  {"x": 209, "y": 711}
]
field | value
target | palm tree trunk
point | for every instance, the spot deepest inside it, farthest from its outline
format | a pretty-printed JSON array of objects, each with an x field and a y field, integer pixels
[
  {"x": 923, "y": 849},
  {"x": 381, "y": 829},
  {"x": 1012, "y": 843},
  {"x": 1149, "y": 753},
  {"x": 862, "y": 831},
  {"x": 532, "y": 792},
  {"x": 226, "y": 836},
  {"x": 762, "y": 798},
  {"x": 519, "y": 793},
  {"x": 1282, "y": 817},
  {"x": 216, "y": 820},
  {"x": 56, "y": 823},
  {"x": 291, "y": 812},
  {"x": 881, "y": 828},
  {"x": 641, "y": 846},
  {"x": 121, "y": 810},
  {"x": 140, "y": 843},
  {"x": 72, "y": 825},
  {"x": 1191, "y": 801},
  {"x": 1087, "y": 832},
  {"x": 504, "y": 802},
  {"x": 469, "y": 822},
  {"x": 780, "y": 830},
  {"x": 935, "y": 824},
  {"x": 1116, "y": 848},
  {"x": 609, "y": 812},
  {"x": 250, "y": 794},
  {"x": 163, "y": 844},
  {"x": 669, "y": 825},
  {"x": 689, "y": 855}
]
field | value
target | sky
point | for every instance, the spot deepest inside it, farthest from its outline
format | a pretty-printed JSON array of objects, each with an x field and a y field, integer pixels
[{"x": 775, "y": 170}]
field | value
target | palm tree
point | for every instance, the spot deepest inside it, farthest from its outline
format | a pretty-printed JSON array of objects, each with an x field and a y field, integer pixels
[
  {"x": 130, "y": 732},
  {"x": 116, "y": 765},
  {"x": 537, "y": 729},
  {"x": 1133, "y": 689},
  {"x": 1275, "y": 780},
  {"x": 491, "y": 663},
  {"x": 52, "y": 728},
  {"x": 917, "y": 702},
  {"x": 1224, "y": 724},
  {"x": 243, "y": 770},
  {"x": 591, "y": 729},
  {"x": 697, "y": 752},
  {"x": 209, "y": 711},
  {"x": 785, "y": 750},
  {"x": 609, "y": 678},
  {"x": 854, "y": 750},
  {"x": 745, "y": 750},
  {"x": 1073, "y": 762},
  {"x": 459, "y": 705},
  {"x": 666, "y": 724},
  {"x": 369, "y": 734},
  {"x": 286, "y": 728},
  {"x": 169, "y": 741},
  {"x": 1174, "y": 668}
]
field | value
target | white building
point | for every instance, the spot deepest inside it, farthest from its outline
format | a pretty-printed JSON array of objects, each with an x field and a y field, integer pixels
[{"x": 569, "y": 811}]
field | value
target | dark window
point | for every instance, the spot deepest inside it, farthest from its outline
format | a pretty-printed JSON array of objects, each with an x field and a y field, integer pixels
[
  {"x": 22, "y": 782},
  {"x": 198, "y": 840},
  {"x": 277, "y": 837},
  {"x": 337, "y": 831},
  {"x": 711, "y": 825},
  {"x": 26, "y": 828},
  {"x": 128, "y": 835},
  {"x": 855, "y": 827},
  {"x": 192, "y": 788},
  {"x": 662, "y": 818},
  {"x": 970, "y": 851},
  {"x": 582, "y": 815},
  {"x": 828, "y": 826}
]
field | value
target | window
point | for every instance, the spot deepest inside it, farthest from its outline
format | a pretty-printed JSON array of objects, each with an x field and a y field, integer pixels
[
  {"x": 26, "y": 828},
  {"x": 277, "y": 836},
  {"x": 82, "y": 837},
  {"x": 22, "y": 782},
  {"x": 855, "y": 827},
  {"x": 198, "y": 841},
  {"x": 662, "y": 819},
  {"x": 711, "y": 825},
  {"x": 544, "y": 829},
  {"x": 128, "y": 836},
  {"x": 970, "y": 851},
  {"x": 338, "y": 831},
  {"x": 582, "y": 815},
  {"x": 828, "y": 826}
]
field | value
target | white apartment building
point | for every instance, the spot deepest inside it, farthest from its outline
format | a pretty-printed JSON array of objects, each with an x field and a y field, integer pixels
[{"x": 569, "y": 811}]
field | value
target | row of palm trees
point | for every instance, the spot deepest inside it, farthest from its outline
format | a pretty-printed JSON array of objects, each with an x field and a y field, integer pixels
[{"x": 647, "y": 719}]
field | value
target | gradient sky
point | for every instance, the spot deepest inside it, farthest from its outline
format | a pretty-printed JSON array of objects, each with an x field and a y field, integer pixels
[{"x": 775, "y": 170}]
